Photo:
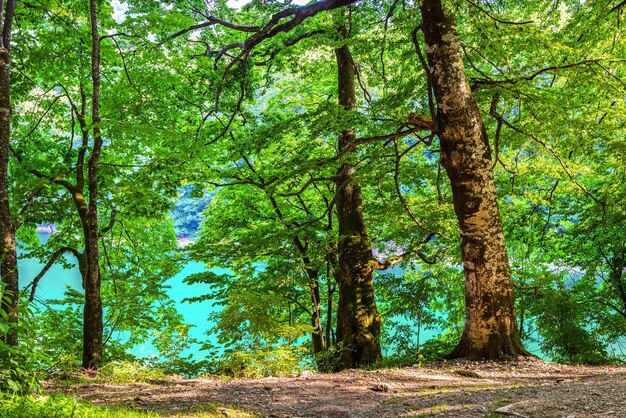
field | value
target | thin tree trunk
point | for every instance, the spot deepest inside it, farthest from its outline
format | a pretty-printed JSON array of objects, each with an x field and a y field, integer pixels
[
  {"x": 490, "y": 331},
  {"x": 329, "y": 308},
  {"x": 358, "y": 320},
  {"x": 8, "y": 251},
  {"x": 317, "y": 337},
  {"x": 92, "y": 315}
]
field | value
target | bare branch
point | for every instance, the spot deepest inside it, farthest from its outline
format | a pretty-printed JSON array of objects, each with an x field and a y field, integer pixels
[
  {"x": 491, "y": 15},
  {"x": 479, "y": 83},
  {"x": 554, "y": 154},
  {"x": 109, "y": 226},
  {"x": 212, "y": 21},
  {"x": 49, "y": 264}
]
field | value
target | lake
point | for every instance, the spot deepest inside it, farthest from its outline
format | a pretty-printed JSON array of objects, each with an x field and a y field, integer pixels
[{"x": 55, "y": 281}]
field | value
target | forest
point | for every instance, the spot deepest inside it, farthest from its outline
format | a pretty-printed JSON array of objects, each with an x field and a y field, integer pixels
[{"x": 228, "y": 194}]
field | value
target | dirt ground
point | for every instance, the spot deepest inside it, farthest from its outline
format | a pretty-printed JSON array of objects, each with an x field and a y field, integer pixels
[{"x": 525, "y": 388}]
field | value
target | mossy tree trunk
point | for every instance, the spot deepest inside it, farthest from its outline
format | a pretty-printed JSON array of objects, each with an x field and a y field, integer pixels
[
  {"x": 317, "y": 337},
  {"x": 92, "y": 314},
  {"x": 8, "y": 250},
  {"x": 490, "y": 331},
  {"x": 358, "y": 320},
  {"x": 92, "y": 311}
]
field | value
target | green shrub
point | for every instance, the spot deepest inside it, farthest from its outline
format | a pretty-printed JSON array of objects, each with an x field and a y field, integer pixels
[
  {"x": 330, "y": 360},
  {"x": 17, "y": 369},
  {"x": 567, "y": 329},
  {"x": 277, "y": 361},
  {"x": 129, "y": 372},
  {"x": 437, "y": 348},
  {"x": 431, "y": 350}
]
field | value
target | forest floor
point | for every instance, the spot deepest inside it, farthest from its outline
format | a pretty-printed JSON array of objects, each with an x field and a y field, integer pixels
[{"x": 524, "y": 388}]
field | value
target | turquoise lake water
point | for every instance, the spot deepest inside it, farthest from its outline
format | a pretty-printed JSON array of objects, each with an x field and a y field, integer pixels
[
  {"x": 54, "y": 283},
  {"x": 56, "y": 280}
]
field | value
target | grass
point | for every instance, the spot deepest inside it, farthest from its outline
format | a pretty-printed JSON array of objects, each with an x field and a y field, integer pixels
[{"x": 62, "y": 406}]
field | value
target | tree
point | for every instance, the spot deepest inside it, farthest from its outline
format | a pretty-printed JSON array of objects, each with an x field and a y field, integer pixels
[
  {"x": 274, "y": 241},
  {"x": 490, "y": 330},
  {"x": 84, "y": 115},
  {"x": 456, "y": 120},
  {"x": 92, "y": 319},
  {"x": 358, "y": 320},
  {"x": 84, "y": 194},
  {"x": 8, "y": 252}
]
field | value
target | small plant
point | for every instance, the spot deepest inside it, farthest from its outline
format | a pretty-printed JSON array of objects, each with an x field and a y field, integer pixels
[
  {"x": 274, "y": 361},
  {"x": 329, "y": 361},
  {"x": 128, "y": 372},
  {"x": 17, "y": 369}
]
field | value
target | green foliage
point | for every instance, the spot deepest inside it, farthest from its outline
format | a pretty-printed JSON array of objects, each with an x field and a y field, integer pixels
[
  {"x": 61, "y": 406},
  {"x": 437, "y": 348},
  {"x": 18, "y": 371},
  {"x": 329, "y": 360},
  {"x": 277, "y": 361},
  {"x": 418, "y": 301},
  {"x": 17, "y": 374},
  {"x": 568, "y": 335},
  {"x": 259, "y": 163},
  {"x": 129, "y": 372}
]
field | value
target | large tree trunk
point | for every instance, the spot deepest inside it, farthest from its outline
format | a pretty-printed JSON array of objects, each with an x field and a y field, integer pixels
[
  {"x": 358, "y": 320},
  {"x": 490, "y": 331},
  {"x": 92, "y": 315},
  {"x": 8, "y": 251}
]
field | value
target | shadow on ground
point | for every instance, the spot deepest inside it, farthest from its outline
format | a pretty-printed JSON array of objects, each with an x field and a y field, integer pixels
[{"x": 524, "y": 389}]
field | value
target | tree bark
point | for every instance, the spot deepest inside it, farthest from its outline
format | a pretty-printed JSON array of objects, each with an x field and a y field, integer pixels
[
  {"x": 490, "y": 331},
  {"x": 92, "y": 314},
  {"x": 8, "y": 254},
  {"x": 317, "y": 337},
  {"x": 358, "y": 320},
  {"x": 330, "y": 341}
]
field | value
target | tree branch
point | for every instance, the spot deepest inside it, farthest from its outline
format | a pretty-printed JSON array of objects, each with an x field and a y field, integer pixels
[
  {"x": 45, "y": 269},
  {"x": 109, "y": 226},
  {"x": 491, "y": 15},
  {"x": 212, "y": 21},
  {"x": 479, "y": 83}
]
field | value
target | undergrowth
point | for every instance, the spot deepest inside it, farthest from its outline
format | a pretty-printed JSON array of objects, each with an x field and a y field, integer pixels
[{"x": 61, "y": 406}]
